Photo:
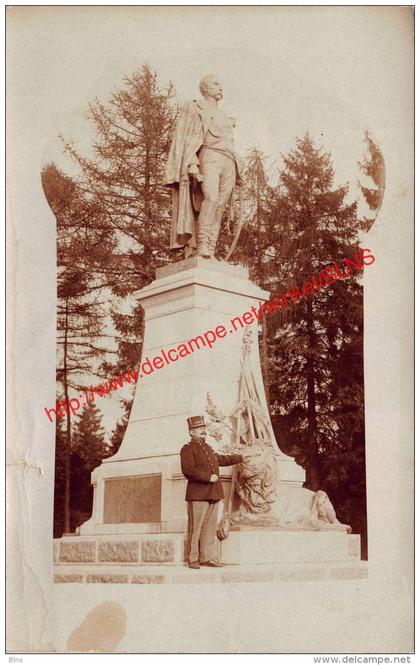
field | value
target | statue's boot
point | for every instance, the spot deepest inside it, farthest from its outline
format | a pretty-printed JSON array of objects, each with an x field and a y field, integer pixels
[
  {"x": 205, "y": 223},
  {"x": 215, "y": 229}
]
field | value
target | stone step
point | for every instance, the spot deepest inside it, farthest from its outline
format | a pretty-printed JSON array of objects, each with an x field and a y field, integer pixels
[
  {"x": 260, "y": 547},
  {"x": 241, "y": 547},
  {"x": 181, "y": 574}
]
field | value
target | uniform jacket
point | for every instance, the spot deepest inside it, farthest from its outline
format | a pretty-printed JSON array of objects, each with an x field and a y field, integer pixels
[
  {"x": 192, "y": 125},
  {"x": 198, "y": 463}
]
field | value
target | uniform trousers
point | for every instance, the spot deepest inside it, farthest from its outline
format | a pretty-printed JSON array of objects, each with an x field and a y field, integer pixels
[
  {"x": 219, "y": 172},
  {"x": 219, "y": 176},
  {"x": 202, "y": 544}
]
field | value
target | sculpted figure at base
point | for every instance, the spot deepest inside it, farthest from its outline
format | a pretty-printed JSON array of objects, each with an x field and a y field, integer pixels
[
  {"x": 263, "y": 503},
  {"x": 202, "y": 169}
]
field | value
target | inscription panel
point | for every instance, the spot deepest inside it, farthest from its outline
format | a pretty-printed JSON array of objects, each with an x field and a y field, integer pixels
[{"x": 133, "y": 499}]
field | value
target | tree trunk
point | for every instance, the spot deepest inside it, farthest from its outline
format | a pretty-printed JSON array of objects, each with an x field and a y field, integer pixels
[
  {"x": 313, "y": 482},
  {"x": 67, "y": 490},
  {"x": 314, "y": 479},
  {"x": 67, "y": 454}
]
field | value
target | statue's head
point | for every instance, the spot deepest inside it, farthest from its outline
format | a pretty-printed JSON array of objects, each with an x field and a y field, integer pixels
[{"x": 210, "y": 86}]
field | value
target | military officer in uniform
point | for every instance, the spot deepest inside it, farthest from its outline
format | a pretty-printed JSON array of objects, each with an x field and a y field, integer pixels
[{"x": 200, "y": 465}]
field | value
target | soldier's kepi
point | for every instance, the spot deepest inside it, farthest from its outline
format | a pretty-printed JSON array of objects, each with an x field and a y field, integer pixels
[
  {"x": 200, "y": 465},
  {"x": 202, "y": 169}
]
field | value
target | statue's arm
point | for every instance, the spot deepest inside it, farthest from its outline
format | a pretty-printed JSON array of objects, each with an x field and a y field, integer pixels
[
  {"x": 187, "y": 140},
  {"x": 193, "y": 136},
  {"x": 190, "y": 469}
]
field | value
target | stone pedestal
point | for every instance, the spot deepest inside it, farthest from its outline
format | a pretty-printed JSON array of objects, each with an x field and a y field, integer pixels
[
  {"x": 141, "y": 488},
  {"x": 251, "y": 556},
  {"x": 281, "y": 546}
]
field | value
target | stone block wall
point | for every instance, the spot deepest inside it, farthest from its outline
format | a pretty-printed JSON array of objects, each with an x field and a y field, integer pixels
[{"x": 142, "y": 549}]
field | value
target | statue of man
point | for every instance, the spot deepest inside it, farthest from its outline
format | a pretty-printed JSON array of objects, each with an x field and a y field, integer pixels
[{"x": 202, "y": 169}]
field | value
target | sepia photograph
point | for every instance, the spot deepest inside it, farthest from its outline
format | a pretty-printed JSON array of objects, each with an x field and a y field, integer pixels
[{"x": 210, "y": 329}]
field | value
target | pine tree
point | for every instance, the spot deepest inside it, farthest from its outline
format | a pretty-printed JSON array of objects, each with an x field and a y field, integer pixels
[
  {"x": 119, "y": 430},
  {"x": 112, "y": 230},
  {"x": 89, "y": 436},
  {"x": 318, "y": 354},
  {"x": 124, "y": 181},
  {"x": 125, "y": 178},
  {"x": 256, "y": 237},
  {"x": 89, "y": 449},
  {"x": 117, "y": 436},
  {"x": 59, "y": 477},
  {"x": 256, "y": 240},
  {"x": 83, "y": 244}
]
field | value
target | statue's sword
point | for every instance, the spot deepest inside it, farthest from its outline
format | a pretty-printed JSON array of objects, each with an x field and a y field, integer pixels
[{"x": 239, "y": 226}]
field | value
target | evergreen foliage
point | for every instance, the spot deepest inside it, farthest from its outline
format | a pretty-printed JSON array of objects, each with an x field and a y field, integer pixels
[
  {"x": 315, "y": 347},
  {"x": 89, "y": 437},
  {"x": 84, "y": 245}
]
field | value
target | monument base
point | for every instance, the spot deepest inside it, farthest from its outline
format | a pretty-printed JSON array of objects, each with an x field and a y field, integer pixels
[
  {"x": 249, "y": 546},
  {"x": 138, "y": 522},
  {"x": 249, "y": 555},
  {"x": 142, "y": 496},
  {"x": 142, "y": 484},
  {"x": 281, "y": 546}
]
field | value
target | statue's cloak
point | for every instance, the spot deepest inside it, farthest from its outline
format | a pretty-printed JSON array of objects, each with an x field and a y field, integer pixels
[{"x": 191, "y": 127}]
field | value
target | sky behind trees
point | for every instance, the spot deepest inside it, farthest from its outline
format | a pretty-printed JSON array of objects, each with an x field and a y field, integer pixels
[{"x": 276, "y": 89}]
